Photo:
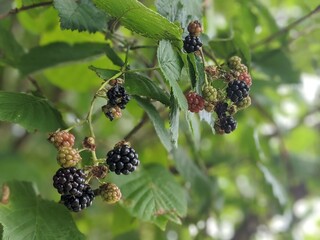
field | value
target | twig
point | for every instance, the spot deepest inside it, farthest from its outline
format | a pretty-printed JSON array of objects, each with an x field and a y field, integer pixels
[
  {"x": 140, "y": 124},
  {"x": 36, "y": 85},
  {"x": 24, "y": 8},
  {"x": 286, "y": 29}
]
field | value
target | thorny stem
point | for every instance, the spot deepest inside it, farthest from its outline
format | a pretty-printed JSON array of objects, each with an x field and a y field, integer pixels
[
  {"x": 24, "y": 8},
  {"x": 143, "y": 120},
  {"x": 286, "y": 29},
  {"x": 142, "y": 70}
]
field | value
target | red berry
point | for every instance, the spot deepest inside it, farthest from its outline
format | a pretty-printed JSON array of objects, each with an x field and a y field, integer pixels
[
  {"x": 62, "y": 139},
  {"x": 195, "y": 102},
  {"x": 245, "y": 76}
]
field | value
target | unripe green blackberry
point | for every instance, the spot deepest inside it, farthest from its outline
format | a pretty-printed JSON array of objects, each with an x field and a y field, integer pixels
[
  {"x": 246, "y": 102},
  {"x": 62, "y": 139},
  {"x": 195, "y": 102},
  {"x": 69, "y": 181},
  {"x": 68, "y": 157},
  {"x": 195, "y": 28},
  {"x": 234, "y": 61},
  {"x": 209, "y": 93},
  {"x": 89, "y": 143},
  {"x": 209, "y": 107},
  {"x": 110, "y": 193},
  {"x": 111, "y": 112},
  {"x": 122, "y": 159},
  {"x": 78, "y": 203},
  {"x": 232, "y": 109},
  {"x": 241, "y": 68}
]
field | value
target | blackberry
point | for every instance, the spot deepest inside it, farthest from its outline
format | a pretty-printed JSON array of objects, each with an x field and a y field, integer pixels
[
  {"x": 221, "y": 108},
  {"x": 195, "y": 102},
  {"x": 245, "y": 76},
  {"x": 246, "y": 102},
  {"x": 227, "y": 124},
  {"x": 69, "y": 181},
  {"x": 110, "y": 193},
  {"x": 111, "y": 112},
  {"x": 118, "y": 96},
  {"x": 241, "y": 68},
  {"x": 209, "y": 107},
  {"x": 210, "y": 93},
  {"x": 234, "y": 62},
  {"x": 62, "y": 139},
  {"x": 89, "y": 143},
  {"x": 68, "y": 157},
  {"x": 122, "y": 159},
  {"x": 195, "y": 28},
  {"x": 78, "y": 203},
  {"x": 237, "y": 90},
  {"x": 191, "y": 44}
]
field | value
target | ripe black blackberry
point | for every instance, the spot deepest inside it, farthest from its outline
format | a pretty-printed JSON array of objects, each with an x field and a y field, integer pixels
[
  {"x": 192, "y": 44},
  {"x": 221, "y": 108},
  {"x": 227, "y": 124},
  {"x": 69, "y": 181},
  {"x": 78, "y": 203},
  {"x": 122, "y": 159},
  {"x": 237, "y": 90},
  {"x": 118, "y": 96}
]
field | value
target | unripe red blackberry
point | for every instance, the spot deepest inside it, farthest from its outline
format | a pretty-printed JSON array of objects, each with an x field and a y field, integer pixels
[
  {"x": 246, "y": 102},
  {"x": 110, "y": 193},
  {"x": 226, "y": 124},
  {"x": 221, "y": 108},
  {"x": 89, "y": 143},
  {"x": 192, "y": 44},
  {"x": 237, "y": 90},
  {"x": 209, "y": 93},
  {"x": 122, "y": 159},
  {"x": 195, "y": 28},
  {"x": 62, "y": 139},
  {"x": 118, "y": 96},
  {"x": 245, "y": 76},
  {"x": 195, "y": 102},
  {"x": 69, "y": 181},
  {"x": 68, "y": 157},
  {"x": 234, "y": 61},
  {"x": 111, "y": 112},
  {"x": 78, "y": 203}
]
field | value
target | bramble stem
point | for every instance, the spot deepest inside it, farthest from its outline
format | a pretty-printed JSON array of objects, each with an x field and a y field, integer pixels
[
  {"x": 204, "y": 64},
  {"x": 142, "y": 70}
]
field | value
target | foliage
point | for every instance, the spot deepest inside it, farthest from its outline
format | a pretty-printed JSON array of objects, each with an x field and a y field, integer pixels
[{"x": 56, "y": 60}]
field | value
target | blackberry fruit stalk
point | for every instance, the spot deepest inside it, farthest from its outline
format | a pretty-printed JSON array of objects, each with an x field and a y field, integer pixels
[
  {"x": 237, "y": 90},
  {"x": 69, "y": 181},
  {"x": 122, "y": 159},
  {"x": 191, "y": 44},
  {"x": 78, "y": 203}
]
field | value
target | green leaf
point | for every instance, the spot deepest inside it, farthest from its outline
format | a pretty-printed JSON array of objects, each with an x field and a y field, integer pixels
[
  {"x": 33, "y": 113},
  {"x": 113, "y": 56},
  {"x": 174, "y": 121},
  {"x": 157, "y": 122},
  {"x": 50, "y": 55},
  {"x": 5, "y": 7},
  {"x": 152, "y": 194},
  {"x": 171, "y": 66},
  {"x": 225, "y": 48},
  {"x": 105, "y": 74},
  {"x": 28, "y": 216},
  {"x": 200, "y": 73},
  {"x": 10, "y": 50},
  {"x": 277, "y": 65},
  {"x": 137, "y": 84},
  {"x": 182, "y": 11},
  {"x": 80, "y": 15},
  {"x": 140, "y": 19}
]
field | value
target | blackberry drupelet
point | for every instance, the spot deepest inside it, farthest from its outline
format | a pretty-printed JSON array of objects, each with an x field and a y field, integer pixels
[
  {"x": 61, "y": 139},
  {"x": 122, "y": 159},
  {"x": 227, "y": 124},
  {"x": 221, "y": 108},
  {"x": 191, "y": 44},
  {"x": 237, "y": 90},
  {"x": 118, "y": 96},
  {"x": 69, "y": 181},
  {"x": 78, "y": 203}
]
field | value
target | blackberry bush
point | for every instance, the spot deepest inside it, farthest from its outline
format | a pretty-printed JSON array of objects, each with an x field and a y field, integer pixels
[
  {"x": 122, "y": 159},
  {"x": 69, "y": 181}
]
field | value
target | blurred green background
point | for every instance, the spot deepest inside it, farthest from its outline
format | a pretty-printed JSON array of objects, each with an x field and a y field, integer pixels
[{"x": 264, "y": 176}]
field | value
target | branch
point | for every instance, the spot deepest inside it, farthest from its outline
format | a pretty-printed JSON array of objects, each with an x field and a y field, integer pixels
[
  {"x": 286, "y": 29},
  {"x": 140, "y": 124},
  {"x": 24, "y": 8}
]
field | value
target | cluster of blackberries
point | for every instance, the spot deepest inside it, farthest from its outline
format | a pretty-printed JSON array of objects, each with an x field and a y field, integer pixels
[
  {"x": 76, "y": 195},
  {"x": 192, "y": 42},
  {"x": 117, "y": 100},
  {"x": 122, "y": 159}
]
